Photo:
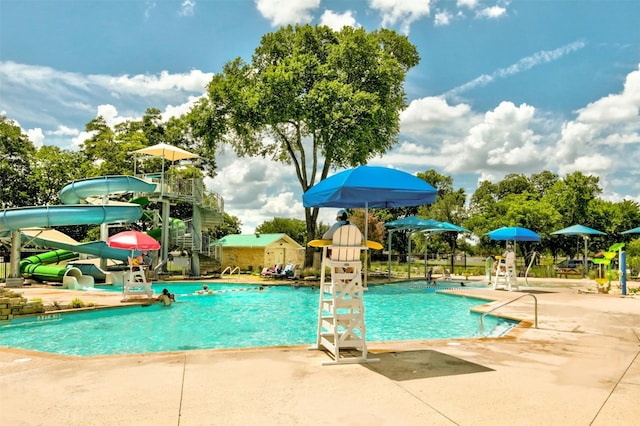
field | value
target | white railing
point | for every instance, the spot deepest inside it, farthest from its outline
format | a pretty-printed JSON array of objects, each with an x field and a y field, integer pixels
[{"x": 230, "y": 271}]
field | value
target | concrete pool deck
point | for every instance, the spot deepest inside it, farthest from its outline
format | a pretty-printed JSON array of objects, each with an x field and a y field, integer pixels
[{"x": 581, "y": 366}]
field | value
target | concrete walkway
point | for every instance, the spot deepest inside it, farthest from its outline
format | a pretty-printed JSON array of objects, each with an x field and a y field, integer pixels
[{"x": 580, "y": 367}]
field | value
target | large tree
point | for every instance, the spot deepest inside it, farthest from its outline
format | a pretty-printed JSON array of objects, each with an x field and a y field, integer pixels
[
  {"x": 312, "y": 98},
  {"x": 16, "y": 157}
]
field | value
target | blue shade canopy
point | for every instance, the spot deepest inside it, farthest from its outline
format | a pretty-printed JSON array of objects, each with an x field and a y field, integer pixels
[
  {"x": 578, "y": 230},
  {"x": 513, "y": 233},
  {"x": 584, "y": 232},
  {"x": 632, "y": 231},
  {"x": 453, "y": 228},
  {"x": 370, "y": 186},
  {"x": 413, "y": 222}
]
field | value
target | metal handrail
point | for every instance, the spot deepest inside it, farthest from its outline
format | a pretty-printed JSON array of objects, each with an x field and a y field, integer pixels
[
  {"x": 231, "y": 271},
  {"x": 511, "y": 301},
  {"x": 526, "y": 273}
]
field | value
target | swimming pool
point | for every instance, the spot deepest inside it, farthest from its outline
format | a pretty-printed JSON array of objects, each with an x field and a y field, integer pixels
[{"x": 241, "y": 316}]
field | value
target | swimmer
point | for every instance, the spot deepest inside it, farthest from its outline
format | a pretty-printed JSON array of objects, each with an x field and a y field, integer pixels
[
  {"x": 205, "y": 290},
  {"x": 166, "y": 298}
]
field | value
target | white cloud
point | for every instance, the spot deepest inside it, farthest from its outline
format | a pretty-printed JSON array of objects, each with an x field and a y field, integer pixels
[
  {"x": 491, "y": 12},
  {"x": 593, "y": 164},
  {"x": 404, "y": 12},
  {"x": 423, "y": 114},
  {"x": 502, "y": 142},
  {"x": 36, "y": 136},
  {"x": 178, "y": 110},
  {"x": 337, "y": 21},
  {"x": 64, "y": 131},
  {"x": 283, "y": 12},
  {"x": 146, "y": 84},
  {"x": 81, "y": 138},
  {"x": 616, "y": 108},
  {"x": 524, "y": 64},
  {"x": 442, "y": 18},
  {"x": 47, "y": 98},
  {"x": 256, "y": 190},
  {"x": 471, "y": 4},
  {"x": 187, "y": 8},
  {"x": 148, "y": 7}
]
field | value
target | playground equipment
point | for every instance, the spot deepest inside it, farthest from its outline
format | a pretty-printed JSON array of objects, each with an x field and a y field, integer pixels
[{"x": 604, "y": 273}]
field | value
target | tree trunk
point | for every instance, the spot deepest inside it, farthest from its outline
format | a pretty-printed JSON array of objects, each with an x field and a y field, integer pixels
[{"x": 311, "y": 215}]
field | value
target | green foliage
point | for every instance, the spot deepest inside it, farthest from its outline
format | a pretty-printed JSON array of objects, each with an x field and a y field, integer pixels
[
  {"x": 326, "y": 100},
  {"x": 77, "y": 303},
  {"x": 295, "y": 228},
  {"x": 52, "y": 170},
  {"x": 16, "y": 159},
  {"x": 230, "y": 225}
]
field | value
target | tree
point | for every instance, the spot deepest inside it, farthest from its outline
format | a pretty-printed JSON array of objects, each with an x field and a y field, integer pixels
[
  {"x": 16, "y": 156},
  {"x": 230, "y": 225},
  {"x": 295, "y": 228},
  {"x": 571, "y": 197},
  {"x": 311, "y": 98},
  {"x": 53, "y": 169}
]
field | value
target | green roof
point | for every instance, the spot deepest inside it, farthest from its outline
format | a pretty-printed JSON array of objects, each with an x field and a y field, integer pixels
[{"x": 250, "y": 240}]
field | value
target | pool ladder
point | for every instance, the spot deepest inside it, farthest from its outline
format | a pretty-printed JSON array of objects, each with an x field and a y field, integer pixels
[
  {"x": 230, "y": 271},
  {"x": 535, "y": 299}
]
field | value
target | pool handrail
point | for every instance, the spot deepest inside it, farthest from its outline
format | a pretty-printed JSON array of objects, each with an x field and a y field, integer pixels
[
  {"x": 231, "y": 271},
  {"x": 535, "y": 299}
]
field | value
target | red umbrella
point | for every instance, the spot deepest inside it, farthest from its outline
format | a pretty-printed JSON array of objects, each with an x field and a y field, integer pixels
[{"x": 133, "y": 240}]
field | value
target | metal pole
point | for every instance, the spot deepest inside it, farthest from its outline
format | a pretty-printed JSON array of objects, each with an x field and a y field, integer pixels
[
  {"x": 623, "y": 266},
  {"x": 389, "y": 256},
  {"x": 584, "y": 268}
]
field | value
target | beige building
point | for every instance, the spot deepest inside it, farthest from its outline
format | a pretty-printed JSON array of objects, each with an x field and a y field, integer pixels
[{"x": 253, "y": 252}]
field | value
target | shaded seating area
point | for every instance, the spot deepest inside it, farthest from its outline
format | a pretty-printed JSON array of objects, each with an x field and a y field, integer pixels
[{"x": 275, "y": 271}]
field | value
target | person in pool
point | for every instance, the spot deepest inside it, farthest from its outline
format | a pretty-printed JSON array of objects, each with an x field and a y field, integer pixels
[
  {"x": 205, "y": 290},
  {"x": 166, "y": 298}
]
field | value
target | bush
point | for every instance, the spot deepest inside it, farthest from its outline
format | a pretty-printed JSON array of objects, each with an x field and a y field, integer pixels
[{"x": 77, "y": 303}]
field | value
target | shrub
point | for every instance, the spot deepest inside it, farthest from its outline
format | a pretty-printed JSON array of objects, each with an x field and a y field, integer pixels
[{"x": 77, "y": 303}]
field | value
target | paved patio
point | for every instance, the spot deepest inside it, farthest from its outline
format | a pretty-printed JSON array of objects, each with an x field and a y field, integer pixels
[{"x": 580, "y": 367}]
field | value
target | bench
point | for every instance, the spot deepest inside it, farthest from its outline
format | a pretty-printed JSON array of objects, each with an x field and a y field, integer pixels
[{"x": 568, "y": 271}]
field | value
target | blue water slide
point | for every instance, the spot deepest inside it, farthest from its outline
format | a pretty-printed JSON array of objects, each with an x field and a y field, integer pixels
[
  {"x": 79, "y": 214},
  {"x": 103, "y": 185}
]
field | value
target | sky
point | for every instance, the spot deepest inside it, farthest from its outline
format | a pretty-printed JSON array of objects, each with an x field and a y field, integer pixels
[{"x": 502, "y": 87}]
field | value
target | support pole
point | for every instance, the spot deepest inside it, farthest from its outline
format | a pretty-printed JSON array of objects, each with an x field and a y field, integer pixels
[{"x": 623, "y": 266}]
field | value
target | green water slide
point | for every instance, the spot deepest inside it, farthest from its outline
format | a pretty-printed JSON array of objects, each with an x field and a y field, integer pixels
[{"x": 35, "y": 266}]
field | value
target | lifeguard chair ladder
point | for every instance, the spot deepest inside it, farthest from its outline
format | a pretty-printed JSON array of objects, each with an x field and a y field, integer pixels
[
  {"x": 341, "y": 324},
  {"x": 136, "y": 284},
  {"x": 506, "y": 272}
]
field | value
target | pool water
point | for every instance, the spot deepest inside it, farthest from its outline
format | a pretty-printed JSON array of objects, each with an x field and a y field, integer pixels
[{"x": 240, "y": 316}]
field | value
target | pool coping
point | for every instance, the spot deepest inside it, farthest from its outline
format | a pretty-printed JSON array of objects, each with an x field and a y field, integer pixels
[{"x": 581, "y": 366}]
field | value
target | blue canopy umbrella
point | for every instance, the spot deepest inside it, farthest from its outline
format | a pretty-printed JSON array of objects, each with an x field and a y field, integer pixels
[
  {"x": 370, "y": 186},
  {"x": 584, "y": 232},
  {"x": 513, "y": 233},
  {"x": 632, "y": 231},
  {"x": 412, "y": 223}
]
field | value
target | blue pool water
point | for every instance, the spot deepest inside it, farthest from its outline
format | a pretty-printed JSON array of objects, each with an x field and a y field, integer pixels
[{"x": 242, "y": 316}]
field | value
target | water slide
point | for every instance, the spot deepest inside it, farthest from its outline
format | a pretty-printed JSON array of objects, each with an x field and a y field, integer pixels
[
  {"x": 73, "y": 213},
  {"x": 36, "y": 265}
]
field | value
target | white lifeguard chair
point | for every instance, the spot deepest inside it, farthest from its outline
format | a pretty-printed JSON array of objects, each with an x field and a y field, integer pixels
[
  {"x": 341, "y": 325},
  {"x": 135, "y": 282},
  {"x": 506, "y": 272}
]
